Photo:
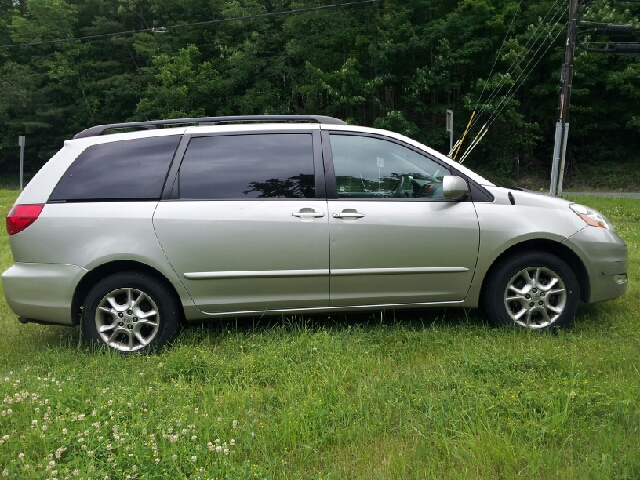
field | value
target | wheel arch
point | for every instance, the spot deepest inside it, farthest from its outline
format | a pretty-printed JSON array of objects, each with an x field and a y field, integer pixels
[
  {"x": 109, "y": 268},
  {"x": 559, "y": 250}
]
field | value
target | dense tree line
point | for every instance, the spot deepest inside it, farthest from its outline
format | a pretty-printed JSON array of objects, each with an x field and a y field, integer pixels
[{"x": 393, "y": 64}]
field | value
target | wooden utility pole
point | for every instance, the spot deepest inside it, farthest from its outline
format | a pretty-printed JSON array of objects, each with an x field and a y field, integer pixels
[{"x": 566, "y": 80}]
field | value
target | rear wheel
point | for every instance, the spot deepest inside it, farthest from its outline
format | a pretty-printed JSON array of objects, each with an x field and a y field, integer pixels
[
  {"x": 130, "y": 312},
  {"x": 535, "y": 290}
]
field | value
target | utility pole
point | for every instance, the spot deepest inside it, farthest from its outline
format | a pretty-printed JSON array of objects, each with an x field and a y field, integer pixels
[
  {"x": 449, "y": 127},
  {"x": 21, "y": 142},
  {"x": 566, "y": 80}
]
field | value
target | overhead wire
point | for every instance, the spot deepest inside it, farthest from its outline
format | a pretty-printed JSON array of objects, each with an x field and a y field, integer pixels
[
  {"x": 196, "y": 24},
  {"x": 495, "y": 115},
  {"x": 522, "y": 55},
  {"x": 527, "y": 65},
  {"x": 515, "y": 64},
  {"x": 495, "y": 61}
]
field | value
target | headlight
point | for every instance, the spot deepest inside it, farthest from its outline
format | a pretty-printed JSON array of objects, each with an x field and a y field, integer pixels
[{"x": 592, "y": 217}]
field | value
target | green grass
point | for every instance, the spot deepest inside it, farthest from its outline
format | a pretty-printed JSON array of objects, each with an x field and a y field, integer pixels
[{"x": 406, "y": 395}]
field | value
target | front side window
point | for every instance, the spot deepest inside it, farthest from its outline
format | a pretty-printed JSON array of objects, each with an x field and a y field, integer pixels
[
  {"x": 248, "y": 166},
  {"x": 368, "y": 167}
]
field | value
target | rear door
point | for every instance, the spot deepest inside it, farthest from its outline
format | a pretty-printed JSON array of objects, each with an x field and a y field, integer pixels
[
  {"x": 247, "y": 227},
  {"x": 394, "y": 238}
]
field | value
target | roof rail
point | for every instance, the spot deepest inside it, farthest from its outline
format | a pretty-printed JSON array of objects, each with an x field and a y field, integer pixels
[{"x": 101, "y": 129}]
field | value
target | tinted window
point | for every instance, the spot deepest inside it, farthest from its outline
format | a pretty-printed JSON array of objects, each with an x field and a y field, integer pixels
[
  {"x": 368, "y": 167},
  {"x": 248, "y": 166},
  {"x": 128, "y": 169}
]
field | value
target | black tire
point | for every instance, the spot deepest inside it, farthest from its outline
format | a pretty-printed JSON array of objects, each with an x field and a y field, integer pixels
[
  {"x": 513, "y": 298},
  {"x": 130, "y": 312}
]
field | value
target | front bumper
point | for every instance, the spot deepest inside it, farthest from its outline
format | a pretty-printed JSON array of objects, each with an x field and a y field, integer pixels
[
  {"x": 41, "y": 292},
  {"x": 604, "y": 255}
]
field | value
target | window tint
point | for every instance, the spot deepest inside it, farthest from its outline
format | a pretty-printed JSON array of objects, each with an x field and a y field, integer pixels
[
  {"x": 368, "y": 167},
  {"x": 248, "y": 166},
  {"x": 127, "y": 169}
]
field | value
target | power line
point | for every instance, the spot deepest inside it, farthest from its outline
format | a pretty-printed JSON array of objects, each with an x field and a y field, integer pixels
[
  {"x": 480, "y": 135},
  {"x": 197, "y": 24},
  {"x": 506, "y": 97},
  {"x": 520, "y": 57},
  {"x": 535, "y": 36},
  {"x": 495, "y": 61}
]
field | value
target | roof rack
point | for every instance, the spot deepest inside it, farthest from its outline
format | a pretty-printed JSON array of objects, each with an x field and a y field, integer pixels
[{"x": 101, "y": 129}]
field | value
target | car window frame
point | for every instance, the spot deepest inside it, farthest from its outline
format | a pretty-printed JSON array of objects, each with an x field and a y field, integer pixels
[
  {"x": 476, "y": 192},
  {"x": 171, "y": 191},
  {"x": 154, "y": 198}
]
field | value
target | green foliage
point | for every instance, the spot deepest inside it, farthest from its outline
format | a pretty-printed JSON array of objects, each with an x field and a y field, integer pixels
[
  {"x": 183, "y": 86},
  {"x": 399, "y": 65}
]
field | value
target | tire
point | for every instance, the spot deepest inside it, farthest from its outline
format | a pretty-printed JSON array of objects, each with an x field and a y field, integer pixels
[
  {"x": 534, "y": 290},
  {"x": 130, "y": 312}
]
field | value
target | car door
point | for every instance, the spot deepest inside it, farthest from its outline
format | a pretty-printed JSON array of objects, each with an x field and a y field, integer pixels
[
  {"x": 395, "y": 238},
  {"x": 247, "y": 229}
]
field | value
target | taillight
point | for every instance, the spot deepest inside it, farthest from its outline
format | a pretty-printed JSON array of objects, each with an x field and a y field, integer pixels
[{"x": 21, "y": 216}]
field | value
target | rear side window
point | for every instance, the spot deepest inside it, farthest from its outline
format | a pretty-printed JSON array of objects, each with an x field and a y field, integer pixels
[
  {"x": 123, "y": 170},
  {"x": 277, "y": 165}
]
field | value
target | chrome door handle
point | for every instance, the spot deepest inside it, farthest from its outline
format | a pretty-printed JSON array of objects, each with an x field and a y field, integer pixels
[
  {"x": 308, "y": 214},
  {"x": 348, "y": 215}
]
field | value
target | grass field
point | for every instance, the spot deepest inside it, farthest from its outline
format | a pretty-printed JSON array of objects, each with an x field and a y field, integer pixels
[{"x": 425, "y": 394}]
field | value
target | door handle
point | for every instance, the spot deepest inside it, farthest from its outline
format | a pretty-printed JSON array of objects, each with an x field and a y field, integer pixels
[
  {"x": 308, "y": 214},
  {"x": 348, "y": 215}
]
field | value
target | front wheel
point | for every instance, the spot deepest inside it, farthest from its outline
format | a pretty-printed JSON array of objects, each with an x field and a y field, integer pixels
[
  {"x": 130, "y": 312},
  {"x": 535, "y": 290}
]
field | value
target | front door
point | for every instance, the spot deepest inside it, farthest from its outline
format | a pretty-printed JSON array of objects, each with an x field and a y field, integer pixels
[{"x": 394, "y": 238}]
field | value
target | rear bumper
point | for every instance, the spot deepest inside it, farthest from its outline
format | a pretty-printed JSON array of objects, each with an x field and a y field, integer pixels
[
  {"x": 604, "y": 255},
  {"x": 41, "y": 292}
]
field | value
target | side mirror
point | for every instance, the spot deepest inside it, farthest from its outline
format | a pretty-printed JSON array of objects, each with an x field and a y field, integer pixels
[{"x": 454, "y": 187}]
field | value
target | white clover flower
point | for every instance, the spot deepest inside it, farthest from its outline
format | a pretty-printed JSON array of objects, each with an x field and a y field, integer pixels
[{"x": 194, "y": 458}]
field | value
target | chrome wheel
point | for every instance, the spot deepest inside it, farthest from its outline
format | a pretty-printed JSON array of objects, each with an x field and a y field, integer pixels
[
  {"x": 535, "y": 297},
  {"x": 127, "y": 319}
]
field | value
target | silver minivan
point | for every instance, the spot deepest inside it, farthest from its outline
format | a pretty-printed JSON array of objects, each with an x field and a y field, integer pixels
[{"x": 131, "y": 233}]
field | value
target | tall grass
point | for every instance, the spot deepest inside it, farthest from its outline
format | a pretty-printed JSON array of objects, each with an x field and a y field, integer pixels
[{"x": 422, "y": 394}]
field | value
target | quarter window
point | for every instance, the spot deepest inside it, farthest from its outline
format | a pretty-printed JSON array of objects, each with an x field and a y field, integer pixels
[
  {"x": 368, "y": 167},
  {"x": 121, "y": 170},
  {"x": 248, "y": 166}
]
